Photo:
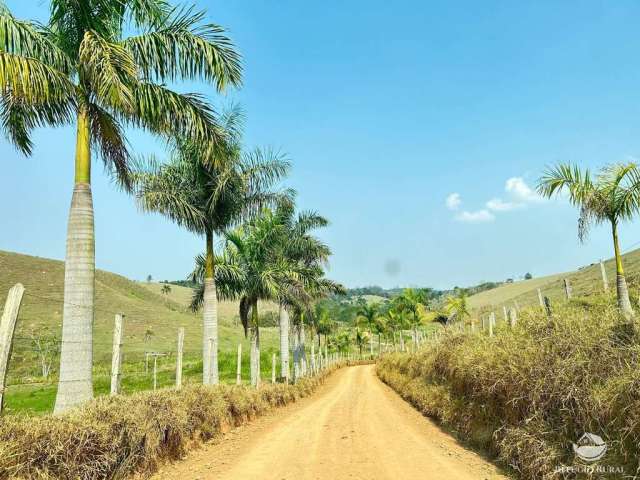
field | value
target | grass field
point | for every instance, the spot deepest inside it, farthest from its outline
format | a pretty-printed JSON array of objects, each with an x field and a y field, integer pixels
[
  {"x": 586, "y": 281},
  {"x": 151, "y": 325}
]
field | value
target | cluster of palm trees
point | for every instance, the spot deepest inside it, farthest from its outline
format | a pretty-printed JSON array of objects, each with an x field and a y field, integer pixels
[
  {"x": 389, "y": 319},
  {"x": 611, "y": 196},
  {"x": 103, "y": 66}
]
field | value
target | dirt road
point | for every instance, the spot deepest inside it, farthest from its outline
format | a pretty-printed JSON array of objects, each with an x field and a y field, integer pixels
[{"x": 354, "y": 427}]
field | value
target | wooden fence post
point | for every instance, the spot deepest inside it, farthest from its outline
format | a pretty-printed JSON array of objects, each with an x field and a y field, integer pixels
[
  {"x": 179, "y": 358},
  {"x": 540, "y": 299},
  {"x": 155, "y": 372},
  {"x": 7, "y": 328},
  {"x": 116, "y": 357},
  {"x": 547, "y": 306},
  {"x": 513, "y": 317},
  {"x": 492, "y": 322},
  {"x": 605, "y": 283},
  {"x": 239, "y": 366},
  {"x": 567, "y": 288},
  {"x": 313, "y": 357},
  {"x": 506, "y": 315},
  {"x": 273, "y": 368}
]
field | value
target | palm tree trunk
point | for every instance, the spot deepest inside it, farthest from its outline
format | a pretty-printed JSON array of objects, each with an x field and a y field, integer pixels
[
  {"x": 75, "y": 385},
  {"x": 401, "y": 341},
  {"x": 621, "y": 283},
  {"x": 284, "y": 343},
  {"x": 210, "y": 375},
  {"x": 255, "y": 346},
  {"x": 303, "y": 353},
  {"x": 370, "y": 343}
]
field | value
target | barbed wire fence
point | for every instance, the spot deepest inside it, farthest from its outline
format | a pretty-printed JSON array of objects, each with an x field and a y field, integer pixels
[{"x": 133, "y": 350}]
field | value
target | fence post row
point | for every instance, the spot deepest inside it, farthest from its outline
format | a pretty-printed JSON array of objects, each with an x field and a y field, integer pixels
[
  {"x": 116, "y": 357},
  {"x": 179, "y": 358},
  {"x": 7, "y": 328}
]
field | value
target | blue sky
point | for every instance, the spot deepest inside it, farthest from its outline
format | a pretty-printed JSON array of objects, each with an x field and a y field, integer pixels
[{"x": 386, "y": 110}]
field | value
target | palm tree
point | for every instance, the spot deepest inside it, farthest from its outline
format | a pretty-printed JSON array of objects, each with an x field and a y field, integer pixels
[
  {"x": 257, "y": 275},
  {"x": 208, "y": 197},
  {"x": 396, "y": 321},
  {"x": 83, "y": 67},
  {"x": 166, "y": 289},
  {"x": 367, "y": 314},
  {"x": 457, "y": 306},
  {"x": 411, "y": 301},
  {"x": 613, "y": 196},
  {"x": 296, "y": 244}
]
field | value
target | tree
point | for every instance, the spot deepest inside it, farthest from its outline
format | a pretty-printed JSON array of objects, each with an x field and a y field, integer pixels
[
  {"x": 528, "y": 276},
  {"x": 412, "y": 302},
  {"x": 149, "y": 278},
  {"x": 208, "y": 197},
  {"x": 367, "y": 314},
  {"x": 457, "y": 306},
  {"x": 83, "y": 67},
  {"x": 612, "y": 196},
  {"x": 166, "y": 289},
  {"x": 297, "y": 245}
]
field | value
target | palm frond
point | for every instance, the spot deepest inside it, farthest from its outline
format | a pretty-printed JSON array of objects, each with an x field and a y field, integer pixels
[
  {"x": 34, "y": 82},
  {"x": 185, "y": 47},
  {"x": 19, "y": 118},
  {"x": 163, "y": 111},
  {"x": 27, "y": 39},
  {"x": 109, "y": 139},
  {"x": 110, "y": 69}
]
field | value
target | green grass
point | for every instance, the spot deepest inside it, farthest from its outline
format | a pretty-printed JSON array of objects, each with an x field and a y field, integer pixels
[
  {"x": 585, "y": 282},
  {"x": 151, "y": 324}
]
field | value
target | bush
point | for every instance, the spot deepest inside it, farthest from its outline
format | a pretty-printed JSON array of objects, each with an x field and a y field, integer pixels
[
  {"x": 112, "y": 437},
  {"x": 527, "y": 393}
]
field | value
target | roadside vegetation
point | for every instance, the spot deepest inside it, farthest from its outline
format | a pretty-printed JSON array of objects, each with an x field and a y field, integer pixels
[{"x": 528, "y": 392}]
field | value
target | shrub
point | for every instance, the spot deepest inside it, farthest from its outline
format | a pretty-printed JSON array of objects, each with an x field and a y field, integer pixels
[{"x": 527, "y": 393}]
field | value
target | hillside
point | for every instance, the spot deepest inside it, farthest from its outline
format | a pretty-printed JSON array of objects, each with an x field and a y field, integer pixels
[
  {"x": 151, "y": 320},
  {"x": 584, "y": 282}
]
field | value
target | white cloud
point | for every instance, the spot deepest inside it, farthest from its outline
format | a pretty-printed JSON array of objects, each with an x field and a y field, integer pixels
[
  {"x": 519, "y": 190},
  {"x": 479, "y": 216},
  {"x": 453, "y": 201},
  {"x": 499, "y": 205}
]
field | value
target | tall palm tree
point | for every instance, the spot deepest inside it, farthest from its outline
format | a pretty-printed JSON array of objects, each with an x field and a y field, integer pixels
[
  {"x": 297, "y": 244},
  {"x": 258, "y": 276},
  {"x": 612, "y": 196},
  {"x": 208, "y": 197},
  {"x": 83, "y": 67}
]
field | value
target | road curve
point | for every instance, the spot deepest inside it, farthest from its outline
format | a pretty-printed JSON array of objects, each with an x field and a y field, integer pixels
[{"x": 354, "y": 427}]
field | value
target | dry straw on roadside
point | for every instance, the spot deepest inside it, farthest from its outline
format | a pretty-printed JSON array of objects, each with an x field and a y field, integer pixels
[
  {"x": 113, "y": 437},
  {"x": 527, "y": 393}
]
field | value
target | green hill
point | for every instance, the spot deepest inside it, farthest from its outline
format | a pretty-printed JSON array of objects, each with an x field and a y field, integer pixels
[
  {"x": 151, "y": 324},
  {"x": 585, "y": 281}
]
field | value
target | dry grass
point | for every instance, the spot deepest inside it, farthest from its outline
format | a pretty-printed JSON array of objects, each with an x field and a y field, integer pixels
[
  {"x": 114, "y": 437},
  {"x": 526, "y": 394},
  {"x": 585, "y": 281}
]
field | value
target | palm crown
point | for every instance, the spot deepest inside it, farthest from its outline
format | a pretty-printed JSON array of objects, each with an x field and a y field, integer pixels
[{"x": 83, "y": 63}]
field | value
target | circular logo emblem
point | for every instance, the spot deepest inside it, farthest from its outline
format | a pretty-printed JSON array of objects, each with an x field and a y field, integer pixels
[{"x": 590, "y": 448}]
